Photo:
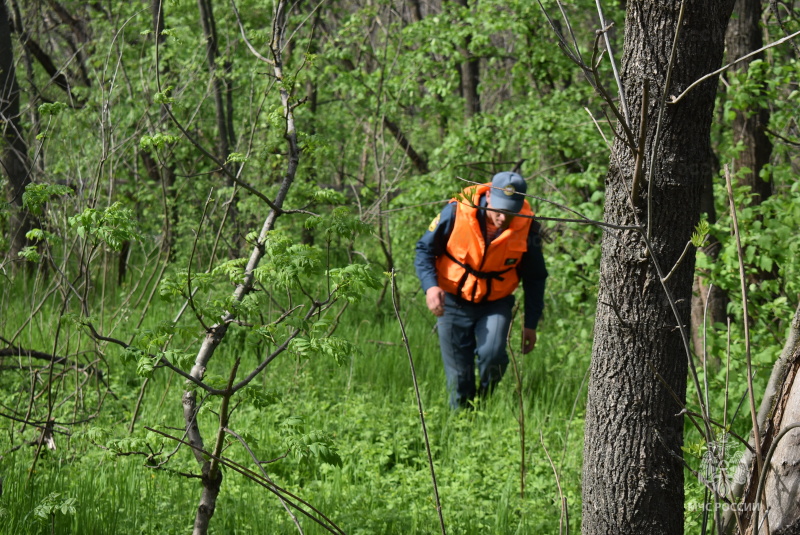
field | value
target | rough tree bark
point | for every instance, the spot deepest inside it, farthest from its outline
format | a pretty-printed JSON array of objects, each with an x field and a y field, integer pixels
[
  {"x": 632, "y": 472},
  {"x": 14, "y": 156}
]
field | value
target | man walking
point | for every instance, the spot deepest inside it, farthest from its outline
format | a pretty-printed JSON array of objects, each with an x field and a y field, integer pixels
[{"x": 469, "y": 262}]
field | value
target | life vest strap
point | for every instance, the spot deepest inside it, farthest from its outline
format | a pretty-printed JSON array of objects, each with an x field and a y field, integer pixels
[{"x": 490, "y": 275}]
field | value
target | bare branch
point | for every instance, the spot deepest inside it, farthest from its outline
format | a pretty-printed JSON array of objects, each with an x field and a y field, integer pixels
[{"x": 702, "y": 79}]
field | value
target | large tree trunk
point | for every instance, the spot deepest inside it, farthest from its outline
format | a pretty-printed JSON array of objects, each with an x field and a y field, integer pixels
[
  {"x": 15, "y": 161},
  {"x": 782, "y": 485},
  {"x": 633, "y": 474}
]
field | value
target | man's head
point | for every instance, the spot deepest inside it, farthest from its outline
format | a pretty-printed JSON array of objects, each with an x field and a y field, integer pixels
[{"x": 506, "y": 195}]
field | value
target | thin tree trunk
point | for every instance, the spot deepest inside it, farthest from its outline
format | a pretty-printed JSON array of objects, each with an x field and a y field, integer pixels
[
  {"x": 223, "y": 101},
  {"x": 15, "y": 161},
  {"x": 743, "y": 37},
  {"x": 216, "y": 334},
  {"x": 470, "y": 73},
  {"x": 709, "y": 303},
  {"x": 166, "y": 173},
  {"x": 632, "y": 471}
]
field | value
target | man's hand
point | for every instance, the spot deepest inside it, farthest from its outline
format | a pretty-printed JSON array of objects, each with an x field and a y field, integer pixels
[
  {"x": 434, "y": 298},
  {"x": 528, "y": 340}
]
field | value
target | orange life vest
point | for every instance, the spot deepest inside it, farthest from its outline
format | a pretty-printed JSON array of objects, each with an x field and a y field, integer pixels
[{"x": 470, "y": 269}]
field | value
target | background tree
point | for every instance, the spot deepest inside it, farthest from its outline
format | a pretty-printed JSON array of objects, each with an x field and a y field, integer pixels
[
  {"x": 744, "y": 36},
  {"x": 751, "y": 152},
  {"x": 14, "y": 158}
]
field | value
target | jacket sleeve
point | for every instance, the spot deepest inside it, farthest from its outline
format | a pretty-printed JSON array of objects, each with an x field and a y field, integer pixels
[
  {"x": 533, "y": 272},
  {"x": 433, "y": 244}
]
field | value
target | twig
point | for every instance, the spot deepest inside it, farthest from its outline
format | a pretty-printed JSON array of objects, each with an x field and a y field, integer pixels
[
  {"x": 22, "y": 352},
  {"x": 784, "y": 139},
  {"x": 264, "y": 473},
  {"x": 564, "y": 519},
  {"x": 583, "y": 219},
  {"x": 189, "y": 292},
  {"x": 275, "y": 489},
  {"x": 224, "y": 415},
  {"x": 419, "y": 404},
  {"x": 246, "y": 40},
  {"x": 521, "y": 414},
  {"x": 621, "y": 90},
  {"x": 679, "y": 262},
  {"x": 731, "y": 64},
  {"x": 746, "y": 322},
  {"x": 637, "y": 169}
]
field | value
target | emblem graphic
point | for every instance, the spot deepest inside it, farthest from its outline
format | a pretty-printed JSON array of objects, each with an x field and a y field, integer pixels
[{"x": 721, "y": 465}]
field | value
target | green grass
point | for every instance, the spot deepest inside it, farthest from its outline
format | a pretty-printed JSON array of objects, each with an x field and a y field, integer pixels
[{"x": 367, "y": 405}]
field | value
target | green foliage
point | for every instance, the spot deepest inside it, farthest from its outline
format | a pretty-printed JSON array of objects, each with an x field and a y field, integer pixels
[
  {"x": 260, "y": 398},
  {"x": 52, "y": 108},
  {"x": 700, "y": 233},
  {"x": 315, "y": 445},
  {"x": 343, "y": 408},
  {"x": 769, "y": 248},
  {"x": 113, "y": 226},
  {"x": 54, "y": 504},
  {"x": 353, "y": 282},
  {"x": 236, "y": 157},
  {"x": 30, "y": 254},
  {"x": 164, "y": 97},
  {"x": 339, "y": 223},
  {"x": 157, "y": 141},
  {"x": 37, "y": 195},
  {"x": 145, "y": 365},
  {"x": 288, "y": 262},
  {"x": 332, "y": 347}
]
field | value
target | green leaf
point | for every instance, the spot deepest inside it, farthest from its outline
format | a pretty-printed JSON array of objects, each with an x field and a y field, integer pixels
[
  {"x": 113, "y": 226},
  {"x": 52, "y": 109},
  {"x": 30, "y": 254},
  {"x": 157, "y": 141},
  {"x": 145, "y": 366},
  {"x": 700, "y": 233},
  {"x": 260, "y": 397},
  {"x": 237, "y": 157},
  {"x": 162, "y": 97},
  {"x": 37, "y": 195}
]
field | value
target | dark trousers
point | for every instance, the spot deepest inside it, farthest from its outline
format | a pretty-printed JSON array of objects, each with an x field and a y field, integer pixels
[{"x": 467, "y": 331}]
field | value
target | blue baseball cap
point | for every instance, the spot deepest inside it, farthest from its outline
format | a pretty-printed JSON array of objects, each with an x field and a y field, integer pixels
[{"x": 506, "y": 189}]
